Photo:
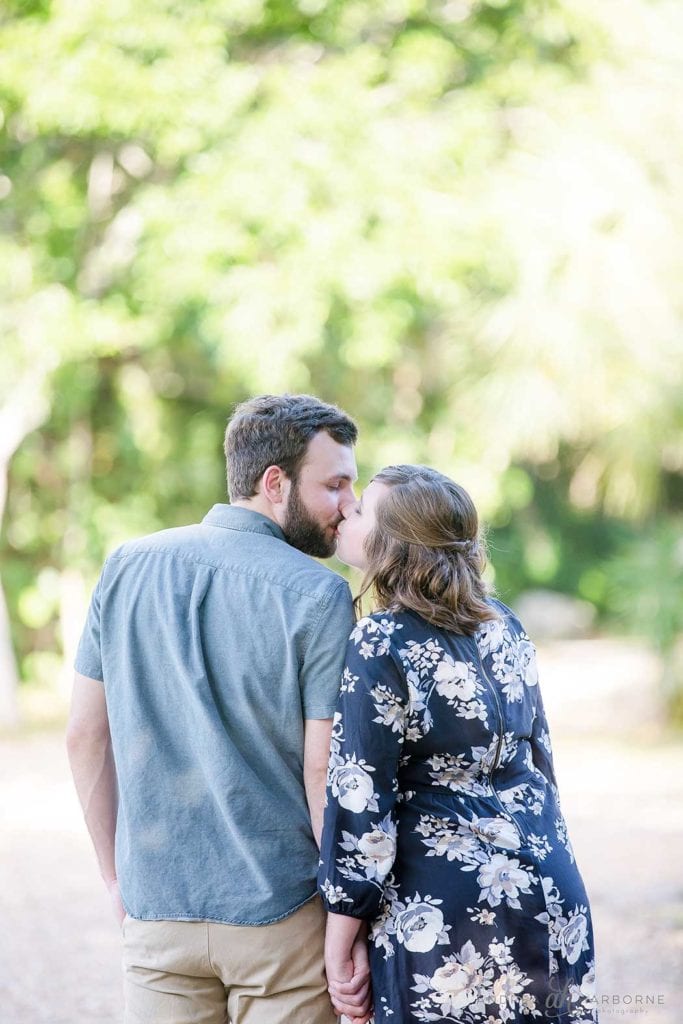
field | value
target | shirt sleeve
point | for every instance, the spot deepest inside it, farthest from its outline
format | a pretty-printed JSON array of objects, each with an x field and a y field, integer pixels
[
  {"x": 359, "y": 832},
  {"x": 324, "y": 656},
  {"x": 89, "y": 654}
]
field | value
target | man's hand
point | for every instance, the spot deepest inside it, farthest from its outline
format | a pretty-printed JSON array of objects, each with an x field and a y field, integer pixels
[
  {"x": 348, "y": 978},
  {"x": 116, "y": 901}
]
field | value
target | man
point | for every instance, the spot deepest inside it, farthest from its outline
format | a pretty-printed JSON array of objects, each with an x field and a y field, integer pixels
[{"x": 206, "y": 681}]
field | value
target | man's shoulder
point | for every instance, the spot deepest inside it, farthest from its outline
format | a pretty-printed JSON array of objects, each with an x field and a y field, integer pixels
[
  {"x": 292, "y": 568},
  {"x": 266, "y": 557},
  {"x": 177, "y": 537}
]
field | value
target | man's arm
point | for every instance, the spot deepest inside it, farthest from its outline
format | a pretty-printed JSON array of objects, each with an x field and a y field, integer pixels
[
  {"x": 320, "y": 678},
  {"x": 317, "y": 734},
  {"x": 88, "y": 742}
]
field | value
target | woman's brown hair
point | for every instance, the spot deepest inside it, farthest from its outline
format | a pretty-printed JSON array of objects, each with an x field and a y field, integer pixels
[{"x": 425, "y": 553}]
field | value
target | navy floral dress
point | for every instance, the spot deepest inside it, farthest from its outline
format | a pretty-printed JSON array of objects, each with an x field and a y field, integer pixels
[{"x": 443, "y": 828}]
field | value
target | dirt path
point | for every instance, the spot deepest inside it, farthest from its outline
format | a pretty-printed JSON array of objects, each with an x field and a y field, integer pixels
[{"x": 59, "y": 947}]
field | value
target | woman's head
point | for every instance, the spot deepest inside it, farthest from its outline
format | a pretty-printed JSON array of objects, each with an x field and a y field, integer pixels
[{"x": 415, "y": 533}]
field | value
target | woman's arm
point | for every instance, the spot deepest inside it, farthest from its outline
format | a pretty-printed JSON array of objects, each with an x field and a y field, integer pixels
[
  {"x": 359, "y": 832},
  {"x": 541, "y": 749}
]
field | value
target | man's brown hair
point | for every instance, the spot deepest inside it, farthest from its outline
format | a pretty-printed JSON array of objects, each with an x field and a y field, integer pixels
[{"x": 275, "y": 430}]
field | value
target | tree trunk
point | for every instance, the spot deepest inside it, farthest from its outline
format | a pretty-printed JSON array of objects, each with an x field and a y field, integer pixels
[
  {"x": 26, "y": 409},
  {"x": 9, "y": 678}
]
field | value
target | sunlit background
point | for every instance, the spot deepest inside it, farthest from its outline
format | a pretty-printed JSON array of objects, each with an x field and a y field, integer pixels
[{"x": 460, "y": 220}]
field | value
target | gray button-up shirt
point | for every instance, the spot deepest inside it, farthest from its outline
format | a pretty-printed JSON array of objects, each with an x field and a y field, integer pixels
[{"x": 215, "y": 642}]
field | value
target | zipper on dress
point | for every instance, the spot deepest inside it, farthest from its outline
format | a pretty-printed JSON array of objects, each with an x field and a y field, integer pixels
[
  {"x": 496, "y": 757},
  {"x": 501, "y": 723}
]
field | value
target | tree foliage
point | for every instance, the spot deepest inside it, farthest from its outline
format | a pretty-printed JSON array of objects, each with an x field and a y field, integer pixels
[{"x": 459, "y": 219}]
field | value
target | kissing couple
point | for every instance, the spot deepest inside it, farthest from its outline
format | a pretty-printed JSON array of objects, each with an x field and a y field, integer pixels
[{"x": 302, "y": 812}]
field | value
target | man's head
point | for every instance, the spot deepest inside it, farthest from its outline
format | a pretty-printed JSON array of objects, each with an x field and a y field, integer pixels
[{"x": 290, "y": 457}]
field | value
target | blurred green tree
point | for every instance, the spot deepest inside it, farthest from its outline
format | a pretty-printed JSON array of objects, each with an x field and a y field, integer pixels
[{"x": 440, "y": 213}]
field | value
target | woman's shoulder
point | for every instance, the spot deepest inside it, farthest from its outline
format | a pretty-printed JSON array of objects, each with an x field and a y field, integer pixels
[
  {"x": 386, "y": 629},
  {"x": 377, "y": 624},
  {"x": 508, "y": 617},
  {"x": 375, "y": 640},
  {"x": 386, "y": 632},
  {"x": 398, "y": 631}
]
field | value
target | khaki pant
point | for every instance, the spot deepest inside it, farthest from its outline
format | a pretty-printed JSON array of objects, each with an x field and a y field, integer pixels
[{"x": 177, "y": 972}]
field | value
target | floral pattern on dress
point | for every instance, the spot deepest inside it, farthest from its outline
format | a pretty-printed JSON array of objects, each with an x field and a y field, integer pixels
[
  {"x": 372, "y": 853},
  {"x": 428, "y": 668},
  {"x": 416, "y": 923},
  {"x": 568, "y": 931},
  {"x": 470, "y": 984},
  {"x": 352, "y": 785},
  {"x": 373, "y": 636},
  {"x": 467, "y": 840}
]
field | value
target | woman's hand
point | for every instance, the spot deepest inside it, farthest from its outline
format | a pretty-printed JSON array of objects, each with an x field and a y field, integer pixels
[{"x": 348, "y": 967}]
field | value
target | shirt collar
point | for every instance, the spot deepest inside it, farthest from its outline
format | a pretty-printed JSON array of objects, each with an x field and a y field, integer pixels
[{"x": 231, "y": 517}]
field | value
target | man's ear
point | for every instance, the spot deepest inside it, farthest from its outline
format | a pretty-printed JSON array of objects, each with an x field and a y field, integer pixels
[{"x": 275, "y": 485}]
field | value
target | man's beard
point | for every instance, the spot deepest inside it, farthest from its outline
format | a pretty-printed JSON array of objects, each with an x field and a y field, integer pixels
[{"x": 302, "y": 531}]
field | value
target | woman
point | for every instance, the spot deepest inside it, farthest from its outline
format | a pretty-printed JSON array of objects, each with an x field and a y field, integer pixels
[{"x": 443, "y": 828}]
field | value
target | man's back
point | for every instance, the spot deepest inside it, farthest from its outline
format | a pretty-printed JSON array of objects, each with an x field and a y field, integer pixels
[{"x": 216, "y": 642}]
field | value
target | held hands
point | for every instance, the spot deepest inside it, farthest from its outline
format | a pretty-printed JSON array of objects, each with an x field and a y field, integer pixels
[{"x": 348, "y": 978}]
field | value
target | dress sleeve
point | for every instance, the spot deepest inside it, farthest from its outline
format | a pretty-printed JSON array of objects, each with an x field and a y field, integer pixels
[
  {"x": 541, "y": 749},
  {"x": 359, "y": 831}
]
